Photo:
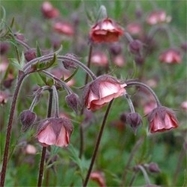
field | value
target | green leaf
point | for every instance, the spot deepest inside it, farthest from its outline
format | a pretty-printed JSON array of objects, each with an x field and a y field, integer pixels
[
  {"x": 14, "y": 62},
  {"x": 44, "y": 65},
  {"x": 38, "y": 51},
  {"x": 81, "y": 163},
  {"x": 71, "y": 76}
]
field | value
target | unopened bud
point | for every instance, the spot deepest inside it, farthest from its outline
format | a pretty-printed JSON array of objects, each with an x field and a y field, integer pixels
[
  {"x": 132, "y": 119},
  {"x": 153, "y": 168},
  {"x": 135, "y": 46},
  {"x": 30, "y": 54},
  {"x": 4, "y": 47},
  {"x": 73, "y": 101},
  {"x": 27, "y": 118}
]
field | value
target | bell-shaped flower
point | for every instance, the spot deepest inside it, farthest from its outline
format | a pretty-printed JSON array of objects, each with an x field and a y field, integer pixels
[
  {"x": 101, "y": 91},
  {"x": 55, "y": 131},
  {"x": 162, "y": 119},
  {"x": 106, "y": 30},
  {"x": 171, "y": 56}
]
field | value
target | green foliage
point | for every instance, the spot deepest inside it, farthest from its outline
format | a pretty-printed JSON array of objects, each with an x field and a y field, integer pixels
[{"x": 118, "y": 153}]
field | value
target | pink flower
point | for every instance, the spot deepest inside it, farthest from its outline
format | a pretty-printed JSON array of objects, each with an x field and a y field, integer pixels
[
  {"x": 184, "y": 105},
  {"x": 119, "y": 60},
  {"x": 162, "y": 119},
  {"x": 98, "y": 177},
  {"x": 101, "y": 91},
  {"x": 134, "y": 28},
  {"x": 157, "y": 16},
  {"x": 55, "y": 131},
  {"x": 99, "y": 58},
  {"x": 106, "y": 30},
  {"x": 64, "y": 28},
  {"x": 171, "y": 56},
  {"x": 49, "y": 11}
]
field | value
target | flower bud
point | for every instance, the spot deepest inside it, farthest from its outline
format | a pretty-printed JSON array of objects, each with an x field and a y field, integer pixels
[
  {"x": 132, "y": 119},
  {"x": 30, "y": 54},
  {"x": 27, "y": 119},
  {"x": 4, "y": 47},
  {"x": 153, "y": 168},
  {"x": 135, "y": 46},
  {"x": 115, "y": 49},
  {"x": 3, "y": 97},
  {"x": 73, "y": 101}
]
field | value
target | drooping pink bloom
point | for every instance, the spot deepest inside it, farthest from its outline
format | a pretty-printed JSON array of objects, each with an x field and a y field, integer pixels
[
  {"x": 49, "y": 11},
  {"x": 101, "y": 91},
  {"x": 99, "y": 58},
  {"x": 157, "y": 16},
  {"x": 64, "y": 28},
  {"x": 55, "y": 131},
  {"x": 98, "y": 177},
  {"x": 134, "y": 28},
  {"x": 106, "y": 30},
  {"x": 162, "y": 119},
  {"x": 171, "y": 56}
]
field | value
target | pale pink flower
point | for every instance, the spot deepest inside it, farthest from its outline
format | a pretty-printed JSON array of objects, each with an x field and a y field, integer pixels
[
  {"x": 99, "y": 58},
  {"x": 64, "y": 28},
  {"x": 162, "y": 119},
  {"x": 101, "y": 91},
  {"x": 49, "y": 11},
  {"x": 171, "y": 56},
  {"x": 98, "y": 177},
  {"x": 134, "y": 28},
  {"x": 55, "y": 131},
  {"x": 158, "y": 16}
]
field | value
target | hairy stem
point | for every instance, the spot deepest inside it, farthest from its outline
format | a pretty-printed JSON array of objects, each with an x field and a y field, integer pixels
[
  {"x": 88, "y": 63},
  {"x": 9, "y": 129},
  {"x": 140, "y": 84},
  {"x": 42, "y": 161},
  {"x": 62, "y": 58},
  {"x": 131, "y": 156},
  {"x": 97, "y": 144}
]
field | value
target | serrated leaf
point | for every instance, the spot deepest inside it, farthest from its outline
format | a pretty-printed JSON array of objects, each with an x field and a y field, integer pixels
[
  {"x": 15, "y": 63},
  {"x": 81, "y": 163}
]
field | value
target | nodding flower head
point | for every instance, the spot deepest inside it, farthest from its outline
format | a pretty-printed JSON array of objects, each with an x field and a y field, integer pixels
[
  {"x": 162, "y": 119},
  {"x": 55, "y": 131},
  {"x": 157, "y": 16},
  {"x": 101, "y": 91},
  {"x": 49, "y": 11},
  {"x": 171, "y": 56},
  {"x": 106, "y": 30}
]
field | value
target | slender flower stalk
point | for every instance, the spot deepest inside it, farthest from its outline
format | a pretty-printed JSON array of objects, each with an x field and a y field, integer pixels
[
  {"x": 63, "y": 84},
  {"x": 136, "y": 83},
  {"x": 55, "y": 95},
  {"x": 131, "y": 156},
  {"x": 97, "y": 144},
  {"x": 146, "y": 177},
  {"x": 62, "y": 58},
  {"x": 9, "y": 129},
  {"x": 130, "y": 103},
  {"x": 36, "y": 98},
  {"x": 44, "y": 149},
  {"x": 89, "y": 62}
]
